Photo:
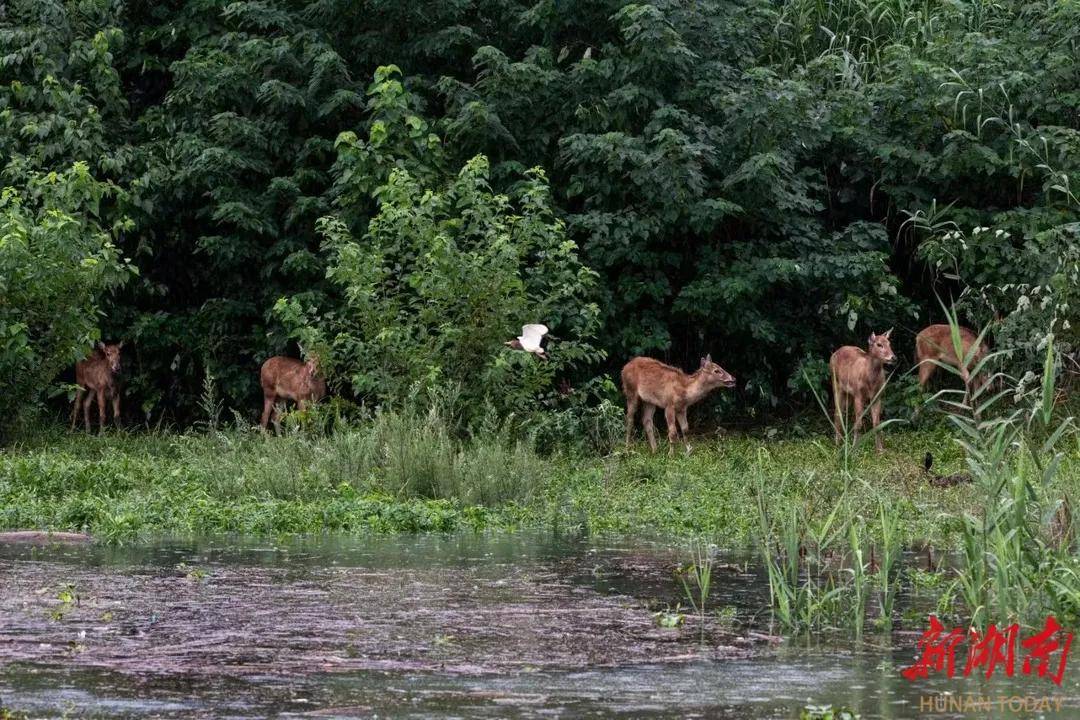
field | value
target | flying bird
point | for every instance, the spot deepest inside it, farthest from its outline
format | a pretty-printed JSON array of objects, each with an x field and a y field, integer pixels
[{"x": 529, "y": 340}]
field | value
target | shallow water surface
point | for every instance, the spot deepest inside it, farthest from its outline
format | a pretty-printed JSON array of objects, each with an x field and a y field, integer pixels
[{"x": 521, "y": 625}]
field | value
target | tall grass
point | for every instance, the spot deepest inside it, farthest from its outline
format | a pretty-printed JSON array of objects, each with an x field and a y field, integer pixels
[
  {"x": 696, "y": 579},
  {"x": 399, "y": 471},
  {"x": 858, "y": 34},
  {"x": 1015, "y": 566},
  {"x": 405, "y": 454},
  {"x": 889, "y": 518}
]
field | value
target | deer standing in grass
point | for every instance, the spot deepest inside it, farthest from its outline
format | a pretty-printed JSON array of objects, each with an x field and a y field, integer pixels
[
  {"x": 858, "y": 377},
  {"x": 935, "y": 345},
  {"x": 96, "y": 377},
  {"x": 284, "y": 378},
  {"x": 653, "y": 384}
]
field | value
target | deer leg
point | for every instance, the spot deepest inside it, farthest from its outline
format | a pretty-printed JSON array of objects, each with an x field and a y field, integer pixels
[
  {"x": 840, "y": 409},
  {"x": 672, "y": 428},
  {"x": 75, "y": 407},
  {"x": 101, "y": 410},
  {"x": 926, "y": 369},
  {"x": 268, "y": 407},
  {"x": 631, "y": 413},
  {"x": 88, "y": 400},
  {"x": 860, "y": 407},
  {"x": 276, "y": 417},
  {"x": 875, "y": 418},
  {"x": 647, "y": 422},
  {"x": 684, "y": 426},
  {"x": 116, "y": 408}
]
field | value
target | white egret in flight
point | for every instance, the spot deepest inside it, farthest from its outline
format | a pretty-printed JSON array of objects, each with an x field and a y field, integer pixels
[{"x": 530, "y": 339}]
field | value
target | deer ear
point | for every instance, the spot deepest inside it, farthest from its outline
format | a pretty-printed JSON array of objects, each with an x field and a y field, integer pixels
[
  {"x": 99, "y": 345},
  {"x": 120, "y": 345},
  {"x": 888, "y": 333},
  {"x": 708, "y": 358},
  {"x": 873, "y": 337},
  {"x": 703, "y": 361}
]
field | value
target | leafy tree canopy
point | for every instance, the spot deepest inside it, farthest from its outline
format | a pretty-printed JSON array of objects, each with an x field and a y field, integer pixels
[{"x": 759, "y": 180}]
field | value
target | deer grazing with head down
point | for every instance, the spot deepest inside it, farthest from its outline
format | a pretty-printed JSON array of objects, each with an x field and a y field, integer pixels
[
  {"x": 97, "y": 379},
  {"x": 655, "y": 385},
  {"x": 935, "y": 345},
  {"x": 858, "y": 377},
  {"x": 285, "y": 378}
]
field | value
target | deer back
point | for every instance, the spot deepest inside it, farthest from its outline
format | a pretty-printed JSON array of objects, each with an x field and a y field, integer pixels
[
  {"x": 855, "y": 372},
  {"x": 292, "y": 379},
  {"x": 936, "y": 343},
  {"x": 654, "y": 382},
  {"x": 94, "y": 373}
]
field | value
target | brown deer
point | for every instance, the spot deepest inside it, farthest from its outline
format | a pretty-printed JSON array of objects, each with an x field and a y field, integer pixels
[
  {"x": 653, "y": 384},
  {"x": 858, "y": 376},
  {"x": 96, "y": 377},
  {"x": 935, "y": 344},
  {"x": 284, "y": 378}
]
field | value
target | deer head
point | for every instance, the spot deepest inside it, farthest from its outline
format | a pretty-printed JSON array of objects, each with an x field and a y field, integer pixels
[
  {"x": 713, "y": 375},
  {"x": 111, "y": 353},
  {"x": 881, "y": 348},
  {"x": 311, "y": 365}
]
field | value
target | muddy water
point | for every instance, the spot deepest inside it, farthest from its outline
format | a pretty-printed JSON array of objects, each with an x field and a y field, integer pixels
[{"x": 524, "y": 625}]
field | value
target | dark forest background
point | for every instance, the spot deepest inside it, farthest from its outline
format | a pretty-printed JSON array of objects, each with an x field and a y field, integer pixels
[{"x": 398, "y": 186}]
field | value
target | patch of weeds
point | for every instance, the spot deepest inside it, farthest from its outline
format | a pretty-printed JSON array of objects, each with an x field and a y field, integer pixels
[
  {"x": 193, "y": 573},
  {"x": 727, "y": 616},
  {"x": 924, "y": 579},
  {"x": 69, "y": 600},
  {"x": 669, "y": 618}
]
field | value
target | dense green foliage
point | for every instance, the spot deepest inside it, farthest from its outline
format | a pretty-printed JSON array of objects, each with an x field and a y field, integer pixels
[
  {"x": 762, "y": 180},
  {"x": 443, "y": 274},
  {"x": 61, "y": 112}
]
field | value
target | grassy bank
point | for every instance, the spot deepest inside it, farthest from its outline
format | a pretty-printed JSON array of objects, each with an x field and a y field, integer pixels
[{"x": 406, "y": 474}]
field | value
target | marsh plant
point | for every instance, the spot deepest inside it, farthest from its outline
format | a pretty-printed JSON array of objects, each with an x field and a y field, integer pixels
[
  {"x": 696, "y": 579},
  {"x": 803, "y": 583},
  {"x": 1017, "y": 562},
  {"x": 889, "y": 518},
  {"x": 67, "y": 600}
]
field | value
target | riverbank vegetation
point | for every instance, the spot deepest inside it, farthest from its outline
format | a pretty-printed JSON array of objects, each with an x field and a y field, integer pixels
[{"x": 407, "y": 473}]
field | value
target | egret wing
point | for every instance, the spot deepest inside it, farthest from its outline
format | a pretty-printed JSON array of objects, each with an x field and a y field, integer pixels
[{"x": 531, "y": 335}]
